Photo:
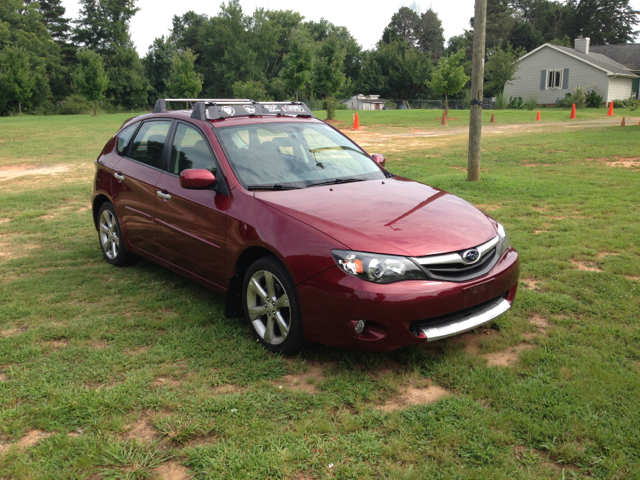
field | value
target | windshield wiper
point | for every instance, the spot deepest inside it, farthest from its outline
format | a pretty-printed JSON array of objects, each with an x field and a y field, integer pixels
[
  {"x": 277, "y": 186},
  {"x": 339, "y": 180}
]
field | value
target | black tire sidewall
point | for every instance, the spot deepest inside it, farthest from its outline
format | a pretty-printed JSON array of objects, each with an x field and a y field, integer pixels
[
  {"x": 294, "y": 340},
  {"x": 123, "y": 256}
]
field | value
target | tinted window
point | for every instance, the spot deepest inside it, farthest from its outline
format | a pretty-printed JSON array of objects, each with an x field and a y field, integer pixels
[
  {"x": 190, "y": 150},
  {"x": 124, "y": 137},
  {"x": 149, "y": 142}
]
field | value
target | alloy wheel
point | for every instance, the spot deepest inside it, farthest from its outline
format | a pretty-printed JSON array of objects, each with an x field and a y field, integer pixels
[
  {"x": 109, "y": 234},
  {"x": 268, "y": 305}
]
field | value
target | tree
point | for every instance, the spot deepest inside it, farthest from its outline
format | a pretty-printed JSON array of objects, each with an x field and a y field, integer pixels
[
  {"x": 92, "y": 80},
  {"x": 183, "y": 80},
  {"x": 157, "y": 66},
  {"x": 605, "y": 21},
  {"x": 405, "y": 24},
  {"x": 297, "y": 65},
  {"x": 501, "y": 67},
  {"x": 327, "y": 70},
  {"x": 104, "y": 24},
  {"x": 449, "y": 78},
  {"x": 251, "y": 89},
  {"x": 15, "y": 75},
  {"x": 431, "y": 34}
]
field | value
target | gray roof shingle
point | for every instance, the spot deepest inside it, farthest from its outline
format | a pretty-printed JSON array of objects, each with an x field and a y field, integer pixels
[
  {"x": 599, "y": 60},
  {"x": 627, "y": 55}
]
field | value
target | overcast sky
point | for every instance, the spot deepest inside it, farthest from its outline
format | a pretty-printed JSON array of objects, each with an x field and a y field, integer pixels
[{"x": 364, "y": 19}]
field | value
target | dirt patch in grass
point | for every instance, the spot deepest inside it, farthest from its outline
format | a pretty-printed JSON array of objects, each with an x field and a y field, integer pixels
[
  {"x": 545, "y": 228},
  {"x": 529, "y": 283},
  {"x": 12, "y": 332},
  {"x": 14, "y": 171},
  {"x": 633, "y": 279},
  {"x": 489, "y": 208},
  {"x": 303, "y": 382},
  {"x": 520, "y": 451},
  {"x": 56, "y": 344},
  {"x": 458, "y": 168},
  {"x": 415, "y": 396},
  {"x": 508, "y": 357},
  {"x": 538, "y": 164},
  {"x": 4, "y": 220},
  {"x": 607, "y": 254},
  {"x": 472, "y": 341},
  {"x": 12, "y": 250},
  {"x": 29, "y": 440},
  {"x": 170, "y": 382},
  {"x": 226, "y": 389},
  {"x": 142, "y": 431},
  {"x": 586, "y": 266},
  {"x": 171, "y": 471},
  {"x": 539, "y": 321},
  {"x": 3, "y": 377}
]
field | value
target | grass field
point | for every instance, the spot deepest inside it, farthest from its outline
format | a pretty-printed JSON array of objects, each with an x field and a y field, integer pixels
[{"x": 136, "y": 373}]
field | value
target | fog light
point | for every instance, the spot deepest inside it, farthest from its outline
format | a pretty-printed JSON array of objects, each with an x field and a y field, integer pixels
[{"x": 360, "y": 327}]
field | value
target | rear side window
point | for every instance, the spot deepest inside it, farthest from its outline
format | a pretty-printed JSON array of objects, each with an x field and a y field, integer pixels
[
  {"x": 190, "y": 150},
  {"x": 125, "y": 137},
  {"x": 149, "y": 143}
]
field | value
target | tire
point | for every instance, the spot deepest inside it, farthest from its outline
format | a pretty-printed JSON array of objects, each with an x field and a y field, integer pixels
[
  {"x": 110, "y": 237},
  {"x": 276, "y": 322}
]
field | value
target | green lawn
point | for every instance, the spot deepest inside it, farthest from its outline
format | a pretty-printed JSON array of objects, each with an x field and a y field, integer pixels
[{"x": 135, "y": 372}]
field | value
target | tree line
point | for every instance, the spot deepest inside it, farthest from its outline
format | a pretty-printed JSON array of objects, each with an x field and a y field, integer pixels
[{"x": 52, "y": 64}]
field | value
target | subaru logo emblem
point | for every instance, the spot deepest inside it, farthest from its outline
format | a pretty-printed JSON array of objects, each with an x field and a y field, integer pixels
[{"x": 471, "y": 256}]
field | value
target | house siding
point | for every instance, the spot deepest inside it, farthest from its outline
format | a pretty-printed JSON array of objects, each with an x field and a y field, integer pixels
[
  {"x": 527, "y": 81},
  {"x": 619, "y": 88}
]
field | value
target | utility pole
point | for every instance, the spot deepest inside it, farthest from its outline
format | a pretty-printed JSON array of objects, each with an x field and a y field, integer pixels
[{"x": 477, "y": 90}]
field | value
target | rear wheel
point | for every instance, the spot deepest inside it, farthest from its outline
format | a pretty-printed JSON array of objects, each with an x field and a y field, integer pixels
[
  {"x": 110, "y": 236},
  {"x": 271, "y": 306}
]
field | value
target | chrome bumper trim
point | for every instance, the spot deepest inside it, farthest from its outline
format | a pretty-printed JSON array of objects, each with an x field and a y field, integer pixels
[
  {"x": 455, "y": 258},
  {"x": 466, "y": 321}
]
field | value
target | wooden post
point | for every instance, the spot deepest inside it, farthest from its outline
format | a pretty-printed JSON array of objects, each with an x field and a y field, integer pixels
[{"x": 477, "y": 90}]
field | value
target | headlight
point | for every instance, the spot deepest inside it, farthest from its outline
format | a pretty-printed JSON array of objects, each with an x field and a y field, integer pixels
[
  {"x": 377, "y": 268},
  {"x": 504, "y": 239}
]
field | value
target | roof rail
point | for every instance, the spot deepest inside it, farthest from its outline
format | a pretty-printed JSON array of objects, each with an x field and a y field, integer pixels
[{"x": 219, "y": 108}]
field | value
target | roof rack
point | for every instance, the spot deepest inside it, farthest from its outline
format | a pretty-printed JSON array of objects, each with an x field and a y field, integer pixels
[{"x": 218, "y": 109}]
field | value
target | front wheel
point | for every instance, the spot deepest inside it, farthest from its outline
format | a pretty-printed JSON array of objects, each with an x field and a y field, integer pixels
[
  {"x": 271, "y": 306},
  {"x": 110, "y": 236}
]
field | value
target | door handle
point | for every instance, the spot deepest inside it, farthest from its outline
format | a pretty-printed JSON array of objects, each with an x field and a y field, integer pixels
[
  {"x": 166, "y": 196},
  {"x": 118, "y": 176}
]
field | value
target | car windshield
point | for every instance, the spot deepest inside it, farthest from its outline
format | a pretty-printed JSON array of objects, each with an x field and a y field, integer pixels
[{"x": 281, "y": 156}]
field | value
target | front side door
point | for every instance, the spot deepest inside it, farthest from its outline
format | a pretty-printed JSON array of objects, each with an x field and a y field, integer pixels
[
  {"x": 137, "y": 174},
  {"x": 191, "y": 224}
]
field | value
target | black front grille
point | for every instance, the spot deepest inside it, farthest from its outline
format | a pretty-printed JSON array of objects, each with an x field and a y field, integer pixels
[{"x": 459, "y": 272}]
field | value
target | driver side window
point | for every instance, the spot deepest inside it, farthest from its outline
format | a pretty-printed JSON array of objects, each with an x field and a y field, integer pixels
[{"x": 190, "y": 149}]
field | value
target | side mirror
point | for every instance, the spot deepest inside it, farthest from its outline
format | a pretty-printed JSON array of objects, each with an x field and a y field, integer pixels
[
  {"x": 197, "y": 178},
  {"x": 380, "y": 160}
]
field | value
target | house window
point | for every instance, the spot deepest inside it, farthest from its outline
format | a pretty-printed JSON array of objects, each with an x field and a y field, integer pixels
[{"x": 554, "y": 79}]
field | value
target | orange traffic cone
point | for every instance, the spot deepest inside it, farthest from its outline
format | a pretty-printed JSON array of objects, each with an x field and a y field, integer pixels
[
  {"x": 444, "y": 118},
  {"x": 493, "y": 118},
  {"x": 624, "y": 122},
  {"x": 356, "y": 122},
  {"x": 538, "y": 117},
  {"x": 610, "y": 114},
  {"x": 573, "y": 112}
]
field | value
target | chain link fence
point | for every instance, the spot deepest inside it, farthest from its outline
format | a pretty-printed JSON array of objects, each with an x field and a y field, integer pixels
[{"x": 463, "y": 104}]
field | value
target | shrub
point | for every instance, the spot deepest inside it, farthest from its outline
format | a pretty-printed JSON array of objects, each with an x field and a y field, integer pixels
[
  {"x": 501, "y": 100},
  {"x": 594, "y": 99},
  {"x": 578, "y": 97},
  {"x": 531, "y": 103},
  {"x": 515, "y": 102},
  {"x": 75, "y": 105}
]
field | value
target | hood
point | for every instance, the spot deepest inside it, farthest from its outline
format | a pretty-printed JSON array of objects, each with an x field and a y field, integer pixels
[{"x": 396, "y": 216}]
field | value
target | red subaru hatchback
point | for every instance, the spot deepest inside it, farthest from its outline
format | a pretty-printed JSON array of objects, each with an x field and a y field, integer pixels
[{"x": 306, "y": 234}]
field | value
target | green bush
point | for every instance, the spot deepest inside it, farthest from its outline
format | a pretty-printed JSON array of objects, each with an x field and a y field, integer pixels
[
  {"x": 336, "y": 104},
  {"x": 515, "y": 102},
  {"x": 75, "y": 105},
  {"x": 594, "y": 99},
  {"x": 531, "y": 103},
  {"x": 501, "y": 100},
  {"x": 578, "y": 97}
]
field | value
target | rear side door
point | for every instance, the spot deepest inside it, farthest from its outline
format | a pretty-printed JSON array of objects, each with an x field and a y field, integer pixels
[
  {"x": 191, "y": 224},
  {"x": 137, "y": 174}
]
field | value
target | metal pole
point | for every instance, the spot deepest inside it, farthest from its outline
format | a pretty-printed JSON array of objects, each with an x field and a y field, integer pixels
[{"x": 477, "y": 90}]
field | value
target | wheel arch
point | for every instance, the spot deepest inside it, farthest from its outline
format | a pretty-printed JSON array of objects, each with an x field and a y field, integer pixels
[
  {"x": 233, "y": 306},
  {"x": 98, "y": 201}
]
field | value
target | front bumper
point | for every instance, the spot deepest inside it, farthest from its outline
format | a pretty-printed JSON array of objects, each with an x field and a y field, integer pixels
[{"x": 403, "y": 313}]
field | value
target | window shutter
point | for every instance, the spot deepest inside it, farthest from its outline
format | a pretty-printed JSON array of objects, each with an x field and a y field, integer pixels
[
  {"x": 543, "y": 80},
  {"x": 565, "y": 79}
]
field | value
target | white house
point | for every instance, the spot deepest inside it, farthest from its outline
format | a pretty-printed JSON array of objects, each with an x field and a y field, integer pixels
[
  {"x": 364, "y": 102},
  {"x": 549, "y": 72}
]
